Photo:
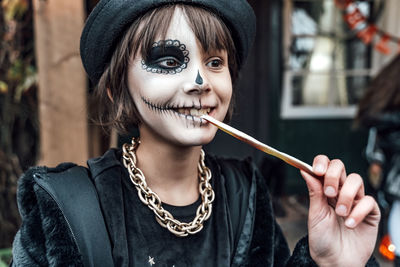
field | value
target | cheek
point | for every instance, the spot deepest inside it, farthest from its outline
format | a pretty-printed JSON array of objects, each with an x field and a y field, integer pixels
[
  {"x": 153, "y": 86},
  {"x": 224, "y": 85},
  {"x": 228, "y": 92}
]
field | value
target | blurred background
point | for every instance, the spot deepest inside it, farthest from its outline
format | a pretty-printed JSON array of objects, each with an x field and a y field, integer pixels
[{"x": 311, "y": 63}]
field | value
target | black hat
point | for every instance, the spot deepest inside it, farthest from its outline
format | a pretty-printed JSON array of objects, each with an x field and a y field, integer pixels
[{"x": 110, "y": 18}]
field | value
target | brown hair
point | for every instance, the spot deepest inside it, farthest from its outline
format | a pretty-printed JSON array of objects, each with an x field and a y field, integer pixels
[
  {"x": 383, "y": 93},
  {"x": 211, "y": 32}
]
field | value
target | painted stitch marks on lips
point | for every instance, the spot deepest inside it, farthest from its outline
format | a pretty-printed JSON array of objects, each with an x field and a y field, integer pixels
[{"x": 191, "y": 113}]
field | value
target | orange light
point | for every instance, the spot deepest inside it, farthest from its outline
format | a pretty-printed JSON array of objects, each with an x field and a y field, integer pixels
[{"x": 386, "y": 248}]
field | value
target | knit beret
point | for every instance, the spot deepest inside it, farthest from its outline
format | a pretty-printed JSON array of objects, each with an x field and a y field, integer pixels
[{"x": 110, "y": 18}]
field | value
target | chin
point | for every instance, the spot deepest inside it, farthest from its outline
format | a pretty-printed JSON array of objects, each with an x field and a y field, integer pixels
[{"x": 197, "y": 137}]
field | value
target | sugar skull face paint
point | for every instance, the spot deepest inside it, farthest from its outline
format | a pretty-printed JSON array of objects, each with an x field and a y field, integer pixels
[
  {"x": 166, "y": 57},
  {"x": 170, "y": 105}
]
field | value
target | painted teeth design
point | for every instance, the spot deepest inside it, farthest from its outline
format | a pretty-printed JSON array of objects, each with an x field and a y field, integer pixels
[
  {"x": 193, "y": 111},
  {"x": 189, "y": 114}
]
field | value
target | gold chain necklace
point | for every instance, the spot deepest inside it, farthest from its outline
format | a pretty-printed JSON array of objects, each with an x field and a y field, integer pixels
[{"x": 151, "y": 199}]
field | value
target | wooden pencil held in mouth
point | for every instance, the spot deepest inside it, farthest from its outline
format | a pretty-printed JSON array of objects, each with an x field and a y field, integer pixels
[{"x": 257, "y": 144}]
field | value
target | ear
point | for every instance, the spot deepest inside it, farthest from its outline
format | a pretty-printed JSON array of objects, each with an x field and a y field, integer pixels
[{"x": 109, "y": 94}]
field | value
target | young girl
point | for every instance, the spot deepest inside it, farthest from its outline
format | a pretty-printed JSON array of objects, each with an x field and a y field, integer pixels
[{"x": 160, "y": 65}]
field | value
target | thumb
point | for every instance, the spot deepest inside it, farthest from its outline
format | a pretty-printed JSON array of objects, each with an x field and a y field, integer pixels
[{"x": 316, "y": 193}]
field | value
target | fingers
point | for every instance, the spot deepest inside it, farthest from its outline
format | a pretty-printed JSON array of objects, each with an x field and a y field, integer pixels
[
  {"x": 333, "y": 171},
  {"x": 345, "y": 193},
  {"x": 365, "y": 210},
  {"x": 352, "y": 189},
  {"x": 314, "y": 185},
  {"x": 333, "y": 174},
  {"x": 320, "y": 165},
  {"x": 317, "y": 199}
]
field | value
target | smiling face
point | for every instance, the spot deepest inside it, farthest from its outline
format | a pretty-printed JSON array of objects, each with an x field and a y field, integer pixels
[{"x": 177, "y": 82}]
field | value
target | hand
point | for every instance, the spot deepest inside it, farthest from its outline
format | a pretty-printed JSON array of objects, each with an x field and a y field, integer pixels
[{"x": 342, "y": 220}]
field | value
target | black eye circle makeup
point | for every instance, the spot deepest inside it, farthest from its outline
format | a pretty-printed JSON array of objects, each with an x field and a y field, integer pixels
[{"x": 166, "y": 57}]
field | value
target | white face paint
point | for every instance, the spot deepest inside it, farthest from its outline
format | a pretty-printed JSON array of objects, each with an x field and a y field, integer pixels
[{"x": 170, "y": 104}]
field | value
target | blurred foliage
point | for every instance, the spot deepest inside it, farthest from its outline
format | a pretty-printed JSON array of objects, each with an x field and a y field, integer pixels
[
  {"x": 18, "y": 110},
  {"x": 18, "y": 82},
  {"x": 14, "y": 9},
  {"x": 5, "y": 257}
]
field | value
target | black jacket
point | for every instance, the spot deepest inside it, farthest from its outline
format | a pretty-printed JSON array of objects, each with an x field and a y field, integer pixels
[{"x": 46, "y": 239}]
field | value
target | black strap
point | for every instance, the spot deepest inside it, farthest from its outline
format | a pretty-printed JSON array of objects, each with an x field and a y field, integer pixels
[{"x": 77, "y": 199}]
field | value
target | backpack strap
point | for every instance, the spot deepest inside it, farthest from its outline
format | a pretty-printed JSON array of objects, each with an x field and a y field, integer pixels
[{"x": 76, "y": 196}]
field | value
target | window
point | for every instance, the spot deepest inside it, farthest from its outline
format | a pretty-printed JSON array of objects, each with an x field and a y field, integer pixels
[{"x": 327, "y": 67}]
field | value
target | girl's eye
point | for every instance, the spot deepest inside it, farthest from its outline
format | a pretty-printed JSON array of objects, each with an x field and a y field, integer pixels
[
  {"x": 215, "y": 63},
  {"x": 168, "y": 63}
]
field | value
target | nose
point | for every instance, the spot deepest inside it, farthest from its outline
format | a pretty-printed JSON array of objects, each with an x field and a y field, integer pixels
[
  {"x": 199, "y": 79},
  {"x": 197, "y": 85}
]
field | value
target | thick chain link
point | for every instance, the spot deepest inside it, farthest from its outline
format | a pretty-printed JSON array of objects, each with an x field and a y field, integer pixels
[{"x": 151, "y": 199}]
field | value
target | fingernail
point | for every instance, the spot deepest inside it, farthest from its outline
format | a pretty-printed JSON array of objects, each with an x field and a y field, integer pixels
[
  {"x": 319, "y": 168},
  {"x": 330, "y": 191},
  {"x": 350, "y": 222},
  {"x": 341, "y": 210}
]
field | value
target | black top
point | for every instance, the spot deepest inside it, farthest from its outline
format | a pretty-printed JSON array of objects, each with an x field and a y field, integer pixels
[{"x": 139, "y": 240}]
